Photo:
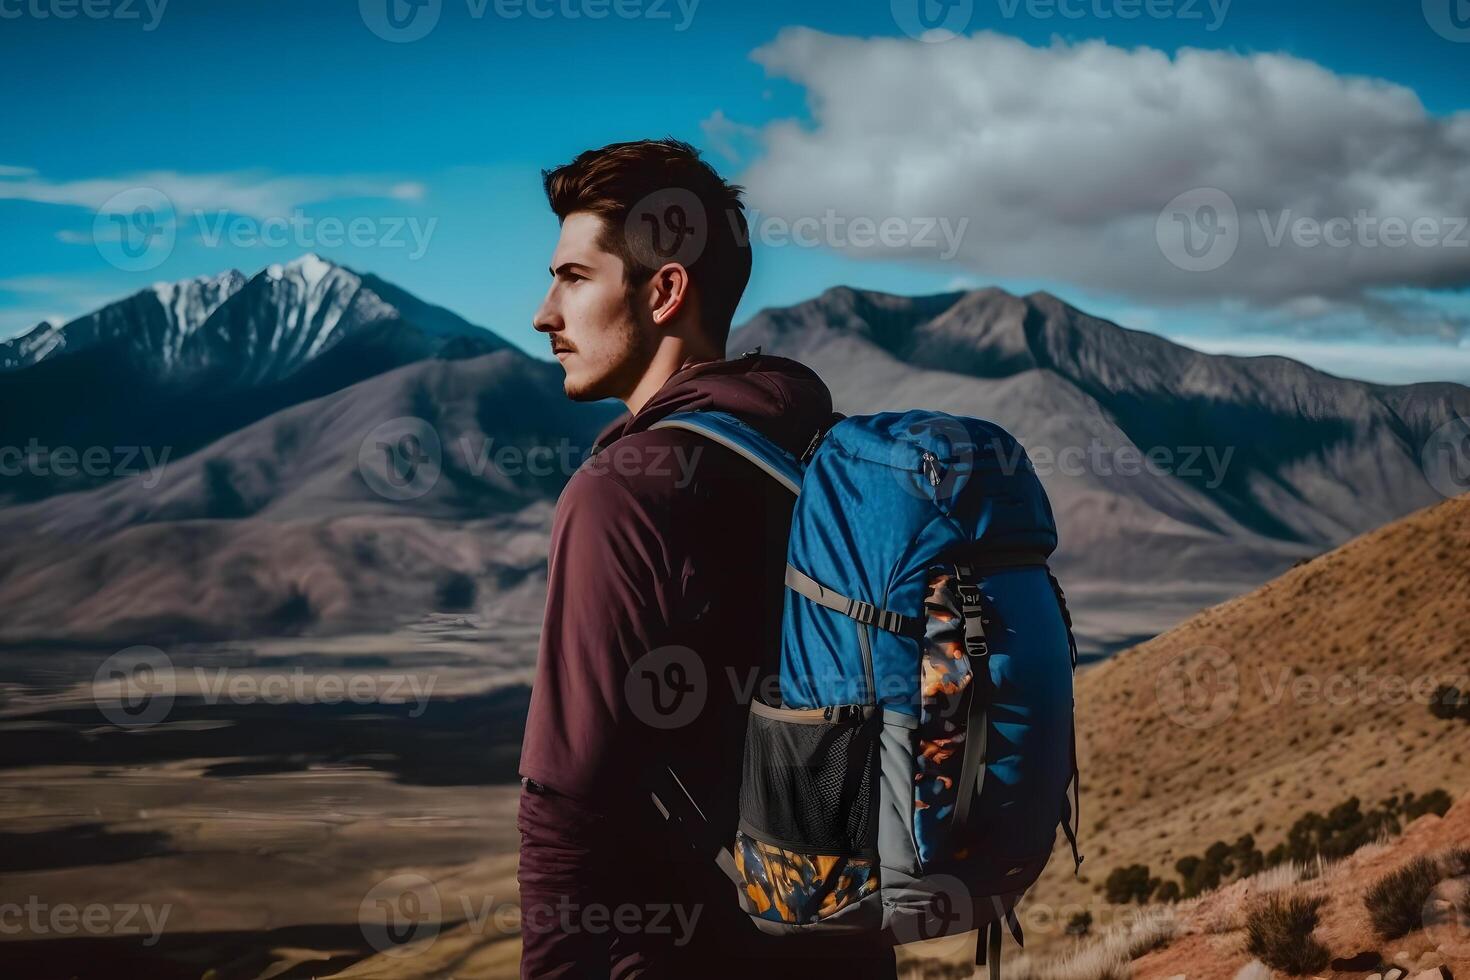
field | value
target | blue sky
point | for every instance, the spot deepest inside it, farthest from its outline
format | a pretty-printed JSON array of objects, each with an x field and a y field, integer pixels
[{"x": 239, "y": 111}]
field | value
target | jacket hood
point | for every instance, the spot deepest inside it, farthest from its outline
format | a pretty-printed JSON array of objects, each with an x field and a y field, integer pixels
[{"x": 782, "y": 398}]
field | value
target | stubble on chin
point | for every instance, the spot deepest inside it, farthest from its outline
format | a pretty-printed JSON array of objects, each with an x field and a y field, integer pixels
[{"x": 613, "y": 376}]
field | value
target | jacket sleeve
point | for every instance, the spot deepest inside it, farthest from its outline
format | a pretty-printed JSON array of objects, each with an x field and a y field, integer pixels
[{"x": 605, "y": 608}]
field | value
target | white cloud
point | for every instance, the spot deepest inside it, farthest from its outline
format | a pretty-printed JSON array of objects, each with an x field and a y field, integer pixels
[
  {"x": 728, "y": 138},
  {"x": 253, "y": 193},
  {"x": 1064, "y": 157},
  {"x": 39, "y": 284},
  {"x": 1389, "y": 363},
  {"x": 6, "y": 171}
]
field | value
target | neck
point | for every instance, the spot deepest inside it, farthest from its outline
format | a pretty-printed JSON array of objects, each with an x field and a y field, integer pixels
[{"x": 671, "y": 356}]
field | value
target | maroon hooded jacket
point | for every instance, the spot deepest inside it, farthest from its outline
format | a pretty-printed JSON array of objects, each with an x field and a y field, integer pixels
[{"x": 662, "y": 621}]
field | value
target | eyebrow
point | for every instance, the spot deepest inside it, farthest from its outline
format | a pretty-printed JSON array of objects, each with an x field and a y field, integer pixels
[{"x": 566, "y": 266}]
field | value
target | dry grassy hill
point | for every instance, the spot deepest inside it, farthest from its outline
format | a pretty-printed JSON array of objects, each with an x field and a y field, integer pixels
[{"x": 1291, "y": 698}]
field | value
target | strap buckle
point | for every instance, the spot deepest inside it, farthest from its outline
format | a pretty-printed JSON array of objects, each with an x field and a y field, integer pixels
[{"x": 972, "y": 605}]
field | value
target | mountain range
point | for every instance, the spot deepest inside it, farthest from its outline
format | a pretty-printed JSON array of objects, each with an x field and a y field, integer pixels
[
  {"x": 270, "y": 514},
  {"x": 1260, "y": 462},
  {"x": 183, "y": 364}
]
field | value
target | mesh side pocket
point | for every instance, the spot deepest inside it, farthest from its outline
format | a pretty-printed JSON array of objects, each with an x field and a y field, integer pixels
[{"x": 808, "y": 783}]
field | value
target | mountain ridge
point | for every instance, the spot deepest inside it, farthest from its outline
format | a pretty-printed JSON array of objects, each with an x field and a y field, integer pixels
[
  {"x": 1263, "y": 463},
  {"x": 181, "y": 364}
]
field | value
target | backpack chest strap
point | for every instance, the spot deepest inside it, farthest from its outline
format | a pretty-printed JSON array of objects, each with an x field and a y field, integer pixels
[{"x": 864, "y": 612}]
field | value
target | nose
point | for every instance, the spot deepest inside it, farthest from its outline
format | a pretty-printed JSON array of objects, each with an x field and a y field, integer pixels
[{"x": 547, "y": 319}]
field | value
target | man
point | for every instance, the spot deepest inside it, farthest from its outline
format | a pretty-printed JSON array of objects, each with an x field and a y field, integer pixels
[{"x": 665, "y": 585}]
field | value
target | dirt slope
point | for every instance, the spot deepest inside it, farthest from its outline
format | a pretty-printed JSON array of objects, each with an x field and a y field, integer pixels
[{"x": 1307, "y": 691}]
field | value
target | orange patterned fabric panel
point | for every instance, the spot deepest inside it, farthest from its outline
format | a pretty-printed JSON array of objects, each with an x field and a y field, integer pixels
[
  {"x": 946, "y": 677},
  {"x": 785, "y": 886}
]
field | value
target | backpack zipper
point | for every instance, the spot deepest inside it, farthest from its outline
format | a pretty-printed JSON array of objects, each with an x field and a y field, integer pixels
[{"x": 931, "y": 468}]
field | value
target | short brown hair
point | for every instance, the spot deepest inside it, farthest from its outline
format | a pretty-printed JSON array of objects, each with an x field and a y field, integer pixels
[{"x": 612, "y": 181}]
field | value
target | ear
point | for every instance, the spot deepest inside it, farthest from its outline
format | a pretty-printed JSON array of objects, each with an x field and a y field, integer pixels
[{"x": 669, "y": 293}]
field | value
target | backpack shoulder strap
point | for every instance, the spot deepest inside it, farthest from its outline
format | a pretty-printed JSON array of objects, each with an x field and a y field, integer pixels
[
  {"x": 669, "y": 793},
  {"x": 742, "y": 438}
]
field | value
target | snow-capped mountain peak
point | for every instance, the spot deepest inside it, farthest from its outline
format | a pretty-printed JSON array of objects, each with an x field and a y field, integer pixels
[
  {"x": 31, "y": 346},
  {"x": 260, "y": 329},
  {"x": 188, "y": 304},
  {"x": 302, "y": 307},
  {"x": 155, "y": 322}
]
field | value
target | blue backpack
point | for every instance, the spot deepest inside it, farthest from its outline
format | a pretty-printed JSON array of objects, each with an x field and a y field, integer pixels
[{"x": 911, "y": 780}]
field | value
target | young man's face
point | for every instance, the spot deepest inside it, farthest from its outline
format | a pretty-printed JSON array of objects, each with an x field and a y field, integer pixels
[{"x": 590, "y": 317}]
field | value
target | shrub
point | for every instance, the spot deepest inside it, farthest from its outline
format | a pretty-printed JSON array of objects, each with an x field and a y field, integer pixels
[
  {"x": 455, "y": 593},
  {"x": 222, "y": 498},
  {"x": 293, "y": 614},
  {"x": 1436, "y": 801},
  {"x": 1279, "y": 933},
  {"x": 1080, "y": 924},
  {"x": 1449, "y": 702},
  {"x": 1221, "y": 862},
  {"x": 1130, "y": 884},
  {"x": 1396, "y": 902},
  {"x": 1455, "y": 863},
  {"x": 1312, "y": 838}
]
